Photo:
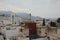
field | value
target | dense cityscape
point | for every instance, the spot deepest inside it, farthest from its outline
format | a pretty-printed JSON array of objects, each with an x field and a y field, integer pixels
[
  {"x": 16, "y": 28},
  {"x": 29, "y": 19}
]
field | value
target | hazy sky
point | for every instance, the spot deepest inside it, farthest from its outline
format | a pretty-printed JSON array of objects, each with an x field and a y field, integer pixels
[{"x": 42, "y": 8}]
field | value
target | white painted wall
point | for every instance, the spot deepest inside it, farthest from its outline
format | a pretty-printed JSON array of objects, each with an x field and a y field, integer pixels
[
  {"x": 10, "y": 33},
  {"x": 1, "y": 37},
  {"x": 14, "y": 31},
  {"x": 6, "y": 21},
  {"x": 58, "y": 32}
]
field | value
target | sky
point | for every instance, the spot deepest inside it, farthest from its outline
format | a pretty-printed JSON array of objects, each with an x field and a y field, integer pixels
[{"x": 41, "y": 8}]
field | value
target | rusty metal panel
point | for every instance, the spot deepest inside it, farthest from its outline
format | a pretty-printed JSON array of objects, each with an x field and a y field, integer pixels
[{"x": 32, "y": 28}]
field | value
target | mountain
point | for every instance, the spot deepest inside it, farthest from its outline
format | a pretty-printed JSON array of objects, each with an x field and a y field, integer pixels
[
  {"x": 5, "y": 13},
  {"x": 27, "y": 16},
  {"x": 22, "y": 15}
]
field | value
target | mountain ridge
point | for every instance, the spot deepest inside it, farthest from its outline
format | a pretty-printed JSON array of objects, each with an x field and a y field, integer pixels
[{"x": 22, "y": 15}]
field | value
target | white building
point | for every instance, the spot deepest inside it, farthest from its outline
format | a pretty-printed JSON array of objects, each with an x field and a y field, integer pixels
[{"x": 10, "y": 20}]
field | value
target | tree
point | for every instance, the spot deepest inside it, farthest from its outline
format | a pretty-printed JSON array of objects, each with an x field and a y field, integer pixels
[
  {"x": 43, "y": 22},
  {"x": 58, "y": 21},
  {"x": 53, "y": 24}
]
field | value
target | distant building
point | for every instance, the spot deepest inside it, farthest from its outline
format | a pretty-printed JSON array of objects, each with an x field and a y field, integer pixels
[{"x": 10, "y": 19}]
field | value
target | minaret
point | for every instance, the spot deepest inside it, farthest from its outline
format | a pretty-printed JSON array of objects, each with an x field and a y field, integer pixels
[
  {"x": 30, "y": 17},
  {"x": 12, "y": 18}
]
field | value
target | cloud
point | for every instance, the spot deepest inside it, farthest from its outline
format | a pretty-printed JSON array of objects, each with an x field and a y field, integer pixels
[
  {"x": 15, "y": 5},
  {"x": 17, "y": 9},
  {"x": 1, "y": 0},
  {"x": 44, "y": 8},
  {"x": 13, "y": 8},
  {"x": 54, "y": 1}
]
